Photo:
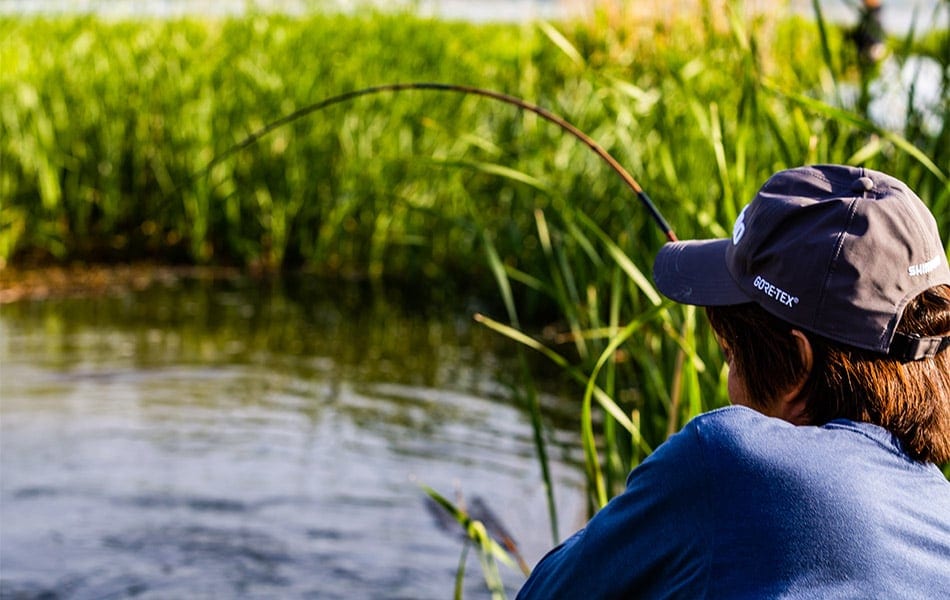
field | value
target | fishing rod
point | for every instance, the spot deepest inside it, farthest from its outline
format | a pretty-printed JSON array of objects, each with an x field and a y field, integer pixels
[
  {"x": 481, "y": 510},
  {"x": 461, "y": 89}
]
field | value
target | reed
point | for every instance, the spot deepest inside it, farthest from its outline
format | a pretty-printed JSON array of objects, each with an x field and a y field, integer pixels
[{"x": 107, "y": 123}]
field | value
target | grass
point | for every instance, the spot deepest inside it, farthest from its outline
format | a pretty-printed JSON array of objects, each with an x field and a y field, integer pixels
[
  {"x": 105, "y": 124},
  {"x": 108, "y": 122}
]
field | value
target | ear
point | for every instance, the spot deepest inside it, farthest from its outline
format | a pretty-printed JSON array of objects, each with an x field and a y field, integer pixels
[{"x": 791, "y": 403}]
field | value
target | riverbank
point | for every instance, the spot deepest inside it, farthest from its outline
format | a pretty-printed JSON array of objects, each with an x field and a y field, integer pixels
[{"x": 71, "y": 281}]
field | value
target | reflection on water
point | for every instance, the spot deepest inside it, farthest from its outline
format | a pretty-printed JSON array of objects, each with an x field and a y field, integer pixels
[{"x": 235, "y": 441}]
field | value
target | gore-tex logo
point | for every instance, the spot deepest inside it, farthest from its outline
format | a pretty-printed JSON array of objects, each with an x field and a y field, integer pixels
[{"x": 775, "y": 293}]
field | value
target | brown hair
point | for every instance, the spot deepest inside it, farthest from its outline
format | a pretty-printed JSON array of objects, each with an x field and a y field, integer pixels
[{"x": 910, "y": 399}]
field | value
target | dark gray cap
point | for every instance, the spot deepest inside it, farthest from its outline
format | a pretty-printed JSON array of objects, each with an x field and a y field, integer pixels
[{"x": 838, "y": 251}]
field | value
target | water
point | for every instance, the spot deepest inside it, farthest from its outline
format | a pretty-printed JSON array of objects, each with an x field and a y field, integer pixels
[{"x": 225, "y": 441}]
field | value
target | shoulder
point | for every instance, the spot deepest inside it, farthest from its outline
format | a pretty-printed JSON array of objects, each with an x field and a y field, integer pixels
[
  {"x": 740, "y": 448},
  {"x": 737, "y": 430},
  {"x": 744, "y": 431},
  {"x": 706, "y": 444},
  {"x": 727, "y": 420},
  {"x": 746, "y": 434}
]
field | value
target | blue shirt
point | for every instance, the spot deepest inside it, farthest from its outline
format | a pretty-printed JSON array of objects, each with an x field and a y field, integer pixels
[{"x": 740, "y": 505}]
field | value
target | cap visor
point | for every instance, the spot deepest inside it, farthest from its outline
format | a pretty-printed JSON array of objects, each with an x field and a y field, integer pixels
[{"x": 695, "y": 272}]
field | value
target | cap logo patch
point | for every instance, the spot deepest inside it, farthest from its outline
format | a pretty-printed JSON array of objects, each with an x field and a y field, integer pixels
[
  {"x": 738, "y": 229},
  {"x": 774, "y": 293},
  {"x": 924, "y": 268}
]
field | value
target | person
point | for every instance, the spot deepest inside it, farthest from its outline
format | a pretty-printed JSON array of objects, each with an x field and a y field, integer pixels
[
  {"x": 868, "y": 35},
  {"x": 831, "y": 302}
]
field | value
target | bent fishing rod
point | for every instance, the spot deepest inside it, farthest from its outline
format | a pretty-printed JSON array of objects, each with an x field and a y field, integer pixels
[{"x": 461, "y": 89}]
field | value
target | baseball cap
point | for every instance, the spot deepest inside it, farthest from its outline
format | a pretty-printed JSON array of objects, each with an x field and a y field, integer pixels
[{"x": 835, "y": 250}]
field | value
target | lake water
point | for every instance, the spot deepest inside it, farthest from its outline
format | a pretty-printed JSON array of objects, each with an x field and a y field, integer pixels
[{"x": 239, "y": 440}]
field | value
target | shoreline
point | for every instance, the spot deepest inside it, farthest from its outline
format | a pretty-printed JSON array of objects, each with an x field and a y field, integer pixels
[{"x": 37, "y": 283}]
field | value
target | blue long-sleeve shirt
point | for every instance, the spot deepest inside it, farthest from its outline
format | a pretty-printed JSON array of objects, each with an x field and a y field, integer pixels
[{"x": 740, "y": 505}]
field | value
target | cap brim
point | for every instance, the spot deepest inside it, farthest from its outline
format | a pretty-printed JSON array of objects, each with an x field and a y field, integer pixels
[{"x": 695, "y": 272}]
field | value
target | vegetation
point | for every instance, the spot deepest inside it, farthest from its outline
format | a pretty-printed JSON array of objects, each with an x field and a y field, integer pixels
[{"x": 107, "y": 128}]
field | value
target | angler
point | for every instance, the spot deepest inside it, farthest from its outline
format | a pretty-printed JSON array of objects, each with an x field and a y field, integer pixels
[{"x": 821, "y": 480}]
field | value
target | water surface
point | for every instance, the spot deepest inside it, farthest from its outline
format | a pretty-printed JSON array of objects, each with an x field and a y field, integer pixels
[{"x": 243, "y": 440}]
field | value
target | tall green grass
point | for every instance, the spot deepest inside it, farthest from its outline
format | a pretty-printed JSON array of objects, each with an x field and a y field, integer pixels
[{"x": 105, "y": 124}]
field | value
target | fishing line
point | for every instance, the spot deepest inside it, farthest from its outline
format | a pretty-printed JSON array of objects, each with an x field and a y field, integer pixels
[{"x": 462, "y": 89}]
